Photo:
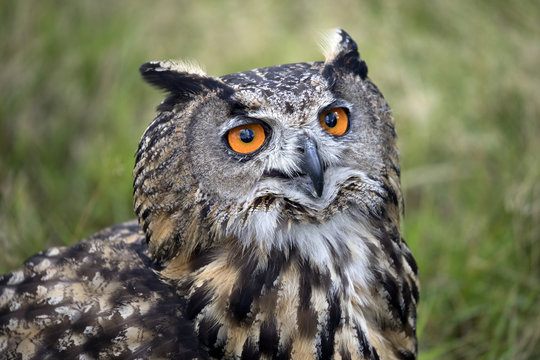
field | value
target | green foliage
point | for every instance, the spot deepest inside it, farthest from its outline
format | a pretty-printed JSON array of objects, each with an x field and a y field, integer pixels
[{"x": 461, "y": 76}]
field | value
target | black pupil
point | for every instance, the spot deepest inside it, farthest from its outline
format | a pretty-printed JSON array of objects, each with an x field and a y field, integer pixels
[
  {"x": 331, "y": 119},
  {"x": 247, "y": 135}
]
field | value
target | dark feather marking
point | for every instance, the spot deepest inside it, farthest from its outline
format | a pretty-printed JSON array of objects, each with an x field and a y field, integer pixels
[
  {"x": 146, "y": 213},
  {"x": 205, "y": 210},
  {"x": 405, "y": 308},
  {"x": 284, "y": 352},
  {"x": 334, "y": 312},
  {"x": 345, "y": 354},
  {"x": 389, "y": 246},
  {"x": 197, "y": 301},
  {"x": 390, "y": 192},
  {"x": 249, "y": 351},
  {"x": 307, "y": 316},
  {"x": 292, "y": 206},
  {"x": 342, "y": 257},
  {"x": 166, "y": 250},
  {"x": 304, "y": 291},
  {"x": 415, "y": 293},
  {"x": 365, "y": 347},
  {"x": 410, "y": 260},
  {"x": 269, "y": 338},
  {"x": 145, "y": 229},
  {"x": 250, "y": 283},
  {"x": 277, "y": 264},
  {"x": 207, "y": 332},
  {"x": 307, "y": 321},
  {"x": 138, "y": 209},
  {"x": 135, "y": 179},
  {"x": 240, "y": 301},
  {"x": 393, "y": 296},
  {"x": 396, "y": 168},
  {"x": 389, "y": 128},
  {"x": 244, "y": 290},
  {"x": 270, "y": 200},
  {"x": 329, "y": 73},
  {"x": 257, "y": 202},
  {"x": 202, "y": 259},
  {"x": 405, "y": 355},
  {"x": 217, "y": 348},
  {"x": 239, "y": 109},
  {"x": 332, "y": 325},
  {"x": 314, "y": 276},
  {"x": 289, "y": 109}
]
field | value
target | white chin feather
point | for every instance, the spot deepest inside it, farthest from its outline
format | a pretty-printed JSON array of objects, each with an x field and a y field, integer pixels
[{"x": 316, "y": 243}]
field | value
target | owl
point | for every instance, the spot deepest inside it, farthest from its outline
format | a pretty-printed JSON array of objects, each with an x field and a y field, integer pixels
[{"x": 268, "y": 205}]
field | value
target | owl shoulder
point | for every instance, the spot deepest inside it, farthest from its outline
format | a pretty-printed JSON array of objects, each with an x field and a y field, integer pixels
[{"x": 102, "y": 297}]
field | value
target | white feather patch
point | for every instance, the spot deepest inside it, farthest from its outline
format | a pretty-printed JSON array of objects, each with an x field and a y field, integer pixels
[
  {"x": 184, "y": 66},
  {"x": 330, "y": 44}
]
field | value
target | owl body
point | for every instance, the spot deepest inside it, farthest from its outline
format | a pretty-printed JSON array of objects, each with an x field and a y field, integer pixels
[{"x": 268, "y": 206}]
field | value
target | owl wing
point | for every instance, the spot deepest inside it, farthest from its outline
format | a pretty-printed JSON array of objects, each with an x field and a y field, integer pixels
[{"x": 100, "y": 298}]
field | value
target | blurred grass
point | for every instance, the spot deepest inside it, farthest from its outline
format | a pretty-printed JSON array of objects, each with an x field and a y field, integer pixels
[{"x": 462, "y": 79}]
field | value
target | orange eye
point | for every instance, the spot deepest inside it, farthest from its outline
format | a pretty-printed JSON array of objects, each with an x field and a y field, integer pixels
[
  {"x": 335, "y": 121},
  {"x": 246, "y": 139}
]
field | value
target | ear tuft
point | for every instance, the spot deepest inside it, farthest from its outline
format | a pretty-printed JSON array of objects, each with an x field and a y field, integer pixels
[
  {"x": 183, "y": 79},
  {"x": 331, "y": 44},
  {"x": 341, "y": 51},
  {"x": 190, "y": 67}
]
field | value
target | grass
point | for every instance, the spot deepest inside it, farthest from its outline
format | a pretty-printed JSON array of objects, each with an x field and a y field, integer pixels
[{"x": 462, "y": 79}]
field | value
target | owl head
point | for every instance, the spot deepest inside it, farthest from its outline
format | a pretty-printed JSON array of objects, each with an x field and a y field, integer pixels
[{"x": 249, "y": 157}]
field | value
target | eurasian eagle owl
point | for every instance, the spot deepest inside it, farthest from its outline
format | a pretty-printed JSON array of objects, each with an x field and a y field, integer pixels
[{"x": 268, "y": 206}]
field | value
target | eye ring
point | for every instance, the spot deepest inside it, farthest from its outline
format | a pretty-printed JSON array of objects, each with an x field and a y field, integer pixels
[
  {"x": 335, "y": 121},
  {"x": 246, "y": 139}
]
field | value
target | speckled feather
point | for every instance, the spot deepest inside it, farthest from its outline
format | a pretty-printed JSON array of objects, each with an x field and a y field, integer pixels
[
  {"x": 101, "y": 298},
  {"x": 237, "y": 256}
]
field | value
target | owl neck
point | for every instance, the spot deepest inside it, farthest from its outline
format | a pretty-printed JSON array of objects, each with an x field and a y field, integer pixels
[{"x": 327, "y": 289}]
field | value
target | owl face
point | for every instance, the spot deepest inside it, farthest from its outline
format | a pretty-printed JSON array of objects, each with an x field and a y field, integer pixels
[
  {"x": 292, "y": 142},
  {"x": 276, "y": 140}
]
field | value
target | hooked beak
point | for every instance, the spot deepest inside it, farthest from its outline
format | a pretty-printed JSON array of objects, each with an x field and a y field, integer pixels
[{"x": 312, "y": 165}]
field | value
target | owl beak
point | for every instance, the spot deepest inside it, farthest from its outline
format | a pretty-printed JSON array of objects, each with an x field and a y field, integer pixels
[{"x": 312, "y": 166}]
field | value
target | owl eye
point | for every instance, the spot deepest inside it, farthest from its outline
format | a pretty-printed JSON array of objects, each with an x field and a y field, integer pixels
[
  {"x": 247, "y": 138},
  {"x": 335, "y": 121}
]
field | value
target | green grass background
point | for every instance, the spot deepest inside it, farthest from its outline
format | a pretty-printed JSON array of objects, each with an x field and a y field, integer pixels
[{"x": 462, "y": 77}]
